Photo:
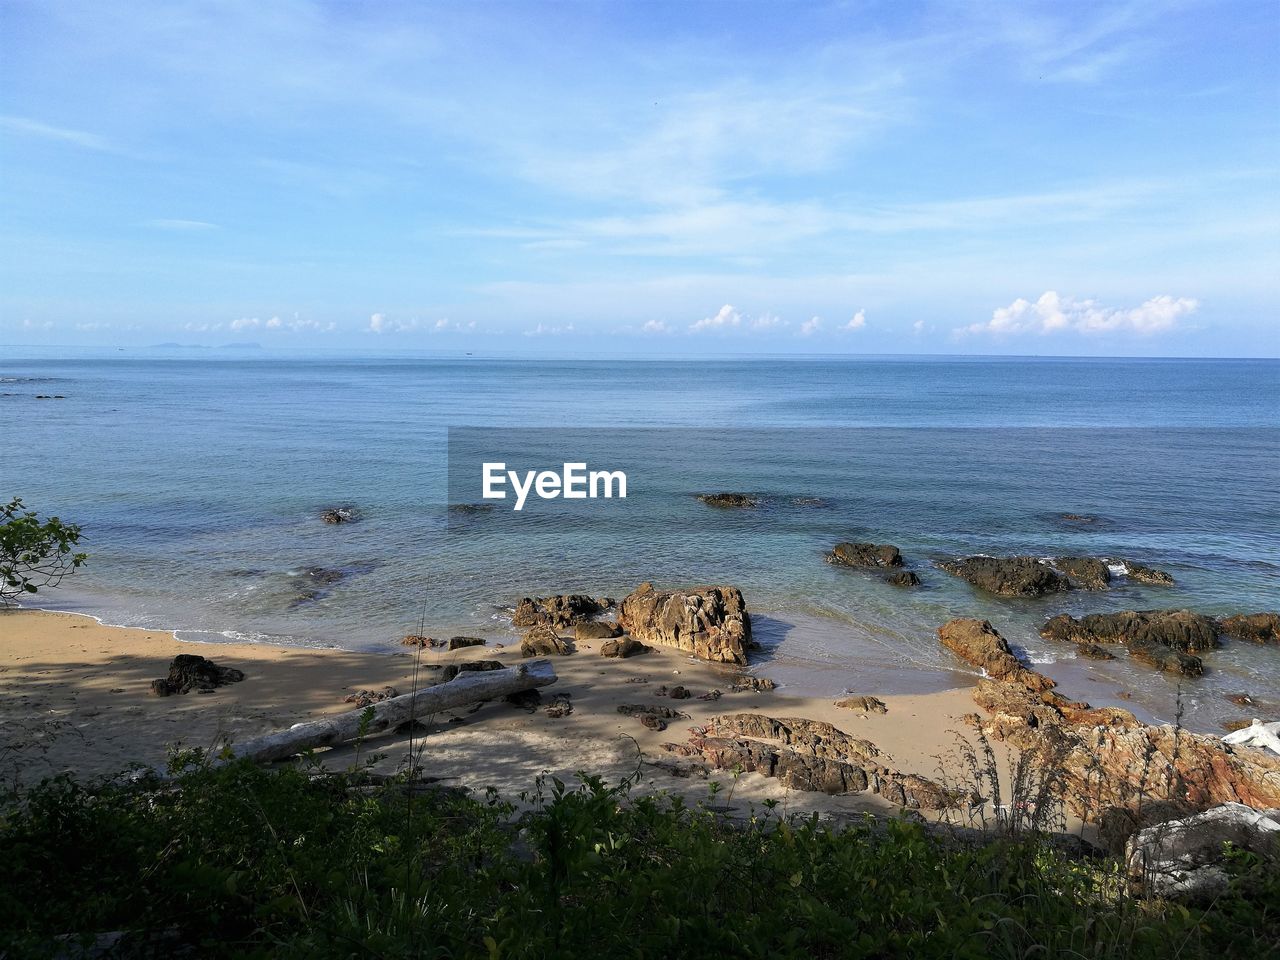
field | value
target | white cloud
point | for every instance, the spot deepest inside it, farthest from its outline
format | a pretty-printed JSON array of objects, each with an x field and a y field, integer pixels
[
  {"x": 79, "y": 138},
  {"x": 246, "y": 323},
  {"x": 857, "y": 321},
  {"x": 767, "y": 321},
  {"x": 1053, "y": 313},
  {"x": 381, "y": 323},
  {"x": 918, "y": 327},
  {"x": 29, "y": 324},
  {"x": 727, "y": 316},
  {"x": 656, "y": 326},
  {"x": 545, "y": 330},
  {"x": 810, "y": 327},
  {"x": 444, "y": 325}
]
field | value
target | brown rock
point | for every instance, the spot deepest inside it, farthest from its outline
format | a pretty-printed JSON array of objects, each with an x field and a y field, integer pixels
[
  {"x": 863, "y": 704},
  {"x": 729, "y": 500},
  {"x": 1255, "y": 627},
  {"x": 622, "y": 647},
  {"x": 1008, "y": 576},
  {"x": 710, "y": 622},
  {"x": 745, "y": 681},
  {"x": 188, "y": 672},
  {"x": 1144, "y": 574},
  {"x": 416, "y": 640},
  {"x": 1166, "y": 659},
  {"x": 1086, "y": 573},
  {"x": 596, "y": 630},
  {"x": 977, "y": 642},
  {"x": 457, "y": 643},
  {"x": 865, "y": 555},
  {"x": 903, "y": 578},
  {"x": 1178, "y": 629},
  {"x": 1094, "y": 652},
  {"x": 560, "y": 611},
  {"x": 543, "y": 642}
]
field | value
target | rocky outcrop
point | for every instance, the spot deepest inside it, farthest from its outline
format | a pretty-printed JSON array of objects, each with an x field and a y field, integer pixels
[
  {"x": 745, "y": 682},
  {"x": 863, "y": 704},
  {"x": 622, "y": 648},
  {"x": 189, "y": 672},
  {"x": 865, "y": 555},
  {"x": 711, "y": 623},
  {"x": 346, "y": 514},
  {"x": 1184, "y": 858},
  {"x": 729, "y": 500},
  {"x": 543, "y": 642},
  {"x": 903, "y": 578},
  {"x": 1254, "y": 627},
  {"x": 458, "y": 643},
  {"x": 809, "y": 755},
  {"x": 978, "y": 643},
  {"x": 1144, "y": 574},
  {"x": 1085, "y": 573},
  {"x": 596, "y": 630},
  {"x": 1008, "y": 576},
  {"x": 1165, "y": 639},
  {"x": 561, "y": 611}
]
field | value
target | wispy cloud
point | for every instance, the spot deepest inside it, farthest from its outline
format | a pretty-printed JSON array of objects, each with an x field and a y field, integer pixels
[
  {"x": 444, "y": 325},
  {"x": 192, "y": 226},
  {"x": 549, "y": 330},
  {"x": 1052, "y": 313},
  {"x": 810, "y": 326},
  {"x": 47, "y": 131}
]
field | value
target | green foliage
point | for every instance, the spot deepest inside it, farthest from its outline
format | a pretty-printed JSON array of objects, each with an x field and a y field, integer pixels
[
  {"x": 34, "y": 553},
  {"x": 240, "y": 861}
]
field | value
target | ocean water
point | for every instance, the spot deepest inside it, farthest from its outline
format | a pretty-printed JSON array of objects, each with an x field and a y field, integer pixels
[{"x": 199, "y": 483}]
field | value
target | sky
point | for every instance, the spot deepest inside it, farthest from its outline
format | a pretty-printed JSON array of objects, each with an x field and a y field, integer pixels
[{"x": 673, "y": 179}]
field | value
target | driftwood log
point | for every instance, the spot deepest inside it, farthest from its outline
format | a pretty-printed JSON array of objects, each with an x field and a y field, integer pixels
[{"x": 331, "y": 731}]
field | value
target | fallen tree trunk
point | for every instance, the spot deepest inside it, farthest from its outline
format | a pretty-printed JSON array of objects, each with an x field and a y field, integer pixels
[{"x": 331, "y": 731}]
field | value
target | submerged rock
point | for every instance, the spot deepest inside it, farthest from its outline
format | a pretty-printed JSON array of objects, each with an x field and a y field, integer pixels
[
  {"x": 903, "y": 578},
  {"x": 865, "y": 555},
  {"x": 346, "y": 514},
  {"x": 1020, "y": 576},
  {"x": 1144, "y": 574},
  {"x": 189, "y": 672},
  {"x": 710, "y": 622},
  {"x": 1255, "y": 627},
  {"x": 1086, "y": 573},
  {"x": 729, "y": 499}
]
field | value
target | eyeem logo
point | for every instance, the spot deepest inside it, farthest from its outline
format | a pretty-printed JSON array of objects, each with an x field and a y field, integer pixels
[{"x": 574, "y": 482}]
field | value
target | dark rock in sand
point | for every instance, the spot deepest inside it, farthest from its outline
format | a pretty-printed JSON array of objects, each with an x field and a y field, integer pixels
[
  {"x": 1255, "y": 627},
  {"x": 977, "y": 642},
  {"x": 679, "y": 693},
  {"x": 622, "y": 647},
  {"x": 637, "y": 709},
  {"x": 903, "y": 578},
  {"x": 560, "y": 706},
  {"x": 543, "y": 642},
  {"x": 1144, "y": 574},
  {"x": 457, "y": 643},
  {"x": 560, "y": 611},
  {"x": 1008, "y": 576},
  {"x": 367, "y": 698},
  {"x": 417, "y": 640},
  {"x": 596, "y": 630},
  {"x": 1087, "y": 573},
  {"x": 710, "y": 622},
  {"x": 745, "y": 682},
  {"x": 1180, "y": 630},
  {"x": 865, "y": 555},
  {"x": 528, "y": 700},
  {"x": 863, "y": 704},
  {"x": 340, "y": 515},
  {"x": 729, "y": 499},
  {"x": 189, "y": 672},
  {"x": 470, "y": 666}
]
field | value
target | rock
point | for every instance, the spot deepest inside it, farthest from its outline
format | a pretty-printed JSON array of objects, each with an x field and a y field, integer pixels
[
  {"x": 1178, "y": 629},
  {"x": 1166, "y": 659},
  {"x": 340, "y": 515},
  {"x": 1086, "y": 573},
  {"x": 560, "y": 706},
  {"x": 189, "y": 672},
  {"x": 366, "y": 698},
  {"x": 1256, "y": 627},
  {"x": 1184, "y": 858},
  {"x": 636, "y": 709},
  {"x": 808, "y": 755},
  {"x": 417, "y": 640},
  {"x": 652, "y": 722},
  {"x": 903, "y": 578},
  {"x": 596, "y": 630},
  {"x": 311, "y": 584},
  {"x": 1231, "y": 726},
  {"x": 1078, "y": 518},
  {"x": 1144, "y": 574},
  {"x": 543, "y": 642},
  {"x": 160, "y": 688},
  {"x": 729, "y": 499},
  {"x": 863, "y": 704},
  {"x": 561, "y": 611},
  {"x": 865, "y": 555},
  {"x": 1117, "y": 824},
  {"x": 1008, "y": 576},
  {"x": 679, "y": 693},
  {"x": 978, "y": 643},
  {"x": 470, "y": 666},
  {"x": 527, "y": 700},
  {"x": 1242, "y": 700},
  {"x": 1092, "y": 651},
  {"x": 710, "y": 622},
  {"x": 745, "y": 681},
  {"x": 457, "y": 643},
  {"x": 622, "y": 647}
]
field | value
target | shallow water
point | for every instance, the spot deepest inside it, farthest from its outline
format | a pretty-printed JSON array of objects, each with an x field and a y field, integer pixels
[{"x": 199, "y": 483}]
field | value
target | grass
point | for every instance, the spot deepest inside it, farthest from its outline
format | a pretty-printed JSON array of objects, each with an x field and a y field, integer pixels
[{"x": 242, "y": 861}]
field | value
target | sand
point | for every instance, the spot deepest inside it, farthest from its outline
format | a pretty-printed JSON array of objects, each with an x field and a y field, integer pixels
[{"x": 74, "y": 697}]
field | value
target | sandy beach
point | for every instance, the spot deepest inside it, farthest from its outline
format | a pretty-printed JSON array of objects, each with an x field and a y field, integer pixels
[{"x": 74, "y": 696}]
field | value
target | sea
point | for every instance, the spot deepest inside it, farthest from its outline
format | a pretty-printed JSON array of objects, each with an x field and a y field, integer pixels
[{"x": 199, "y": 479}]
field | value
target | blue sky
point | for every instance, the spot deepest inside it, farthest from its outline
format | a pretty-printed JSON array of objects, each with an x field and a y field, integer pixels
[{"x": 1092, "y": 178}]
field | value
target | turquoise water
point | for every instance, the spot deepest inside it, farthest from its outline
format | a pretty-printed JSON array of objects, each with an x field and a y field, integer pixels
[{"x": 199, "y": 483}]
